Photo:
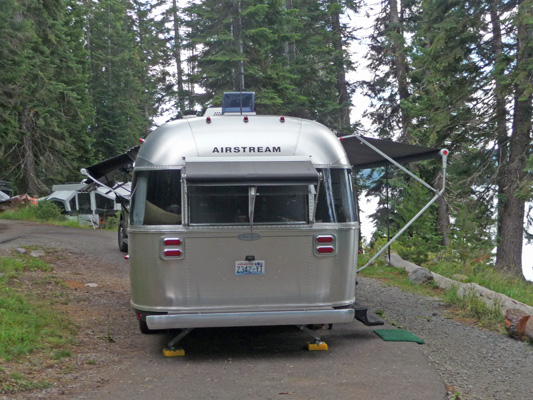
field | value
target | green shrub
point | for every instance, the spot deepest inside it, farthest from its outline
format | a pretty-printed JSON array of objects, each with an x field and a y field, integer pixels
[
  {"x": 43, "y": 211},
  {"x": 47, "y": 211},
  {"x": 27, "y": 322}
]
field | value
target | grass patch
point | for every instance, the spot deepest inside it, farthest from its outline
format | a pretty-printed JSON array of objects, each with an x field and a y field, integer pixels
[
  {"x": 46, "y": 211},
  {"x": 18, "y": 382},
  {"x": 484, "y": 275},
  {"x": 58, "y": 355},
  {"x": 472, "y": 307},
  {"x": 31, "y": 331},
  {"x": 398, "y": 277},
  {"x": 28, "y": 323}
]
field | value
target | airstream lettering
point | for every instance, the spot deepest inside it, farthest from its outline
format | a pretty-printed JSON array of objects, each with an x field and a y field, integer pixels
[{"x": 260, "y": 149}]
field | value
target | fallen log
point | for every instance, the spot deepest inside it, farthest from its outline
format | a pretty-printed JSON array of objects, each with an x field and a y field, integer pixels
[
  {"x": 529, "y": 329},
  {"x": 515, "y": 323}
]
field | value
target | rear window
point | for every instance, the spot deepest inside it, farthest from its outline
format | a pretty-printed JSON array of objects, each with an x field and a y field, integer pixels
[
  {"x": 156, "y": 198},
  {"x": 241, "y": 204}
]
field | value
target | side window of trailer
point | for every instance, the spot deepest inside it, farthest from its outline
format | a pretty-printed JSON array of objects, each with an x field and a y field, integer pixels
[
  {"x": 335, "y": 200},
  {"x": 156, "y": 198}
]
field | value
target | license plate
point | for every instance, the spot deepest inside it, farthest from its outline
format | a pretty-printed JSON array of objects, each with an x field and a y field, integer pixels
[{"x": 256, "y": 267}]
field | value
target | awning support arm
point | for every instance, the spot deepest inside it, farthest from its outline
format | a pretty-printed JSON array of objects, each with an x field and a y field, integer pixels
[
  {"x": 444, "y": 155},
  {"x": 84, "y": 172}
]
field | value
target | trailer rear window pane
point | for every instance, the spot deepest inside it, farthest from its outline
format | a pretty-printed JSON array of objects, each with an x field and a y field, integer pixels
[
  {"x": 233, "y": 205},
  {"x": 281, "y": 204},
  {"x": 218, "y": 204},
  {"x": 156, "y": 198}
]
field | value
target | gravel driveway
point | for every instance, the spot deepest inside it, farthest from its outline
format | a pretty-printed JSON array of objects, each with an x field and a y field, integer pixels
[
  {"x": 478, "y": 364},
  {"x": 474, "y": 363}
]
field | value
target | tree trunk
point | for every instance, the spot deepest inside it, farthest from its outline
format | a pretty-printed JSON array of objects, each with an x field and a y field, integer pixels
[
  {"x": 31, "y": 182},
  {"x": 177, "y": 56},
  {"x": 240, "y": 48},
  {"x": 400, "y": 66},
  {"x": 342, "y": 89},
  {"x": 509, "y": 253},
  {"x": 289, "y": 50},
  {"x": 515, "y": 323},
  {"x": 500, "y": 112}
]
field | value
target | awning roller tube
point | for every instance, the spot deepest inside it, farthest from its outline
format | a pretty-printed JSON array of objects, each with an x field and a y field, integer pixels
[{"x": 280, "y": 171}]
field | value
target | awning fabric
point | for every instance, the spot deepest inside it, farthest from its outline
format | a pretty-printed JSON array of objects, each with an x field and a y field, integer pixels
[
  {"x": 102, "y": 169},
  {"x": 361, "y": 156},
  {"x": 251, "y": 172}
]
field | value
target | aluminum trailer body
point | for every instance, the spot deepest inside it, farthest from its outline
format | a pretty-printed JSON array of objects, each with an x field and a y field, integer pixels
[{"x": 241, "y": 220}]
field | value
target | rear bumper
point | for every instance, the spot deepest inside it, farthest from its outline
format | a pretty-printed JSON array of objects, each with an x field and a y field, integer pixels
[{"x": 214, "y": 320}]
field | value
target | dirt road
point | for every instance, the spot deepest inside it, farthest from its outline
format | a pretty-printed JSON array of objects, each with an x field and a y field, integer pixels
[{"x": 114, "y": 361}]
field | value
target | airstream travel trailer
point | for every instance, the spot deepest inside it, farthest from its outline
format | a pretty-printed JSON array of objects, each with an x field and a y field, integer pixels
[{"x": 245, "y": 220}]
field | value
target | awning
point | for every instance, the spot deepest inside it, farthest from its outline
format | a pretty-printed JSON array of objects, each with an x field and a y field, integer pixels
[
  {"x": 361, "y": 156},
  {"x": 281, "y": 172},
  {"x": 107, "y": 167}
]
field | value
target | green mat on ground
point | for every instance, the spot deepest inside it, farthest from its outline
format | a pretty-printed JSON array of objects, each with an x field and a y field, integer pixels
[{"x": 397, "y": 335}]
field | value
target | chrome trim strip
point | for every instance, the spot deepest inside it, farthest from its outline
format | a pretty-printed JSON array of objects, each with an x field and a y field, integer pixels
[{"x": 212, "y": 320}]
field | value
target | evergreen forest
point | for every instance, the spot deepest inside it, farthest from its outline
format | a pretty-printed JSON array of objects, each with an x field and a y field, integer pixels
[{"x": 83, "y": 80}]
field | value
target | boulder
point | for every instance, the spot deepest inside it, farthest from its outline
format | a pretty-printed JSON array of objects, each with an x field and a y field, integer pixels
[
  {"x": 420, "y": 276},
  {"x": 37, "y": 253}
]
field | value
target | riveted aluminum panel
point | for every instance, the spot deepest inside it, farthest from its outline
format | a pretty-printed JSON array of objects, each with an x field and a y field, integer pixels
[
  {"x": 205, "y": 280},
  {"x": 231, "y": 136}
]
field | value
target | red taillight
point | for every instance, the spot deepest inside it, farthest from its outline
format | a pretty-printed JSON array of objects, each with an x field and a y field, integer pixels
[
  {"x": 171, "y": 247},
  {"x": 325, "y": 249},
  {"x": 173, "y": 253},
  {"x": 325, "y": 244},
  {"x": 172, "y": 242},
  {"x": 324, "y": 239},
  {"x": 139, "y": 316}
]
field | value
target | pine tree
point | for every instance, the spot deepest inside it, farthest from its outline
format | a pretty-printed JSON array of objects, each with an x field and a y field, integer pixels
[
  {"x": 44, "y": 109},
  {"x": 122, "y": 90},
  {"x": 513, "y": 174}
]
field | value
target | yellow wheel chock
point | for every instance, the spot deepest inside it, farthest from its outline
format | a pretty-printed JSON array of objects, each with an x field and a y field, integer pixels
[
  {"x": 320, "y": 346},
  {"x": 173, "y": 352}
]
